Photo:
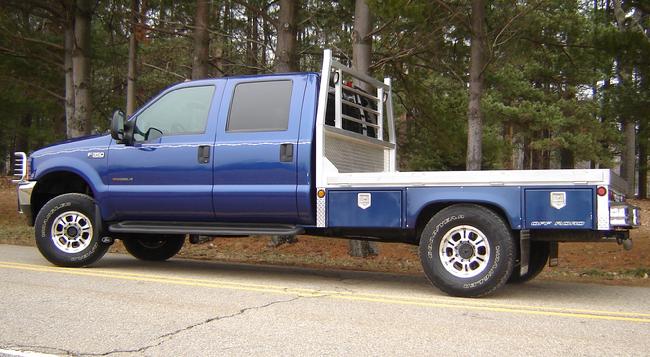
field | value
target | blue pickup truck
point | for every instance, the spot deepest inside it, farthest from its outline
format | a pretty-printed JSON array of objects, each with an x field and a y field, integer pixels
[{"x": 312, "y": 153}]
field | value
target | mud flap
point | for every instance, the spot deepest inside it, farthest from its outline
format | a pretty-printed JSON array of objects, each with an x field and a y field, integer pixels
[{"x": 524, "y": 251}]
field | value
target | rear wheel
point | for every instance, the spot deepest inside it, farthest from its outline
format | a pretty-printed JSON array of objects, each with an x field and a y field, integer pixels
[
  {"x": 156, "y": 248},
  {"x": 467, "y": 250},
  {"x": 539, "y": 252}
]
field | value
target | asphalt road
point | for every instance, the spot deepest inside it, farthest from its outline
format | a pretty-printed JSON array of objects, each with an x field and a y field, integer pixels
[{"x": 122, "y": 306}]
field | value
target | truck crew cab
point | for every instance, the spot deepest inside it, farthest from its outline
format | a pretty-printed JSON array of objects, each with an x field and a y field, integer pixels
[{"x": 296, "y": 153}]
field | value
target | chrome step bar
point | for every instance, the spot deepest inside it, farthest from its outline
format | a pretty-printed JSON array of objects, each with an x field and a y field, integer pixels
[{"x": 203, "y": 228}]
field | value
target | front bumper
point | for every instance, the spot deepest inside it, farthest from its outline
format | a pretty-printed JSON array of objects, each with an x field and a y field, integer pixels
[
  {"x": 24, "y": 190},
  {"x": 623, "y": 215}
]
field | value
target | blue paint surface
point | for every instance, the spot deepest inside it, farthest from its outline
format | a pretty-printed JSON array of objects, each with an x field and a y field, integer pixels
[
  {"x": 577, "y": 214},
  {"x": 506, "y": 200},
  {"x": 385, "y": 210},
  {"x": 163, "y": 180},
  {"x": 251, "y": 184}
]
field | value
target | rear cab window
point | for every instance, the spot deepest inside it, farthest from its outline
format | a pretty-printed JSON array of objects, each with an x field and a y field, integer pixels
[{"x": 260, "y": 106}]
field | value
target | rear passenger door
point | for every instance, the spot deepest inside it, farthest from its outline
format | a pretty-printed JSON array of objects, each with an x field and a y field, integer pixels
[{"x": 255, "y": 150}]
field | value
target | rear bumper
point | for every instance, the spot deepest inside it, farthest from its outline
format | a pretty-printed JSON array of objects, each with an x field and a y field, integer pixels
[{"x": 24, "y": 191}]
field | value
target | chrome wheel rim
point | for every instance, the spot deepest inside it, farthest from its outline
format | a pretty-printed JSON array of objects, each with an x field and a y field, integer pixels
[
  {"x": 464, "y": 251},
  {"x": 72, "y": 232}
]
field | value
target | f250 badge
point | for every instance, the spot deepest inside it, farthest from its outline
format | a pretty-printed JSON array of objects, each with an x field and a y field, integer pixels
[{"x": 96, "y": 155}]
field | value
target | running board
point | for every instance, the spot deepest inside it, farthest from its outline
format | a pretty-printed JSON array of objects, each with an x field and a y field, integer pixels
[{"x": 203, "y": 228}]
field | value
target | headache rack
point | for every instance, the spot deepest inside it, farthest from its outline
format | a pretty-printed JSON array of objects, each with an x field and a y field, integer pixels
[{"x": 355, "y": 130}]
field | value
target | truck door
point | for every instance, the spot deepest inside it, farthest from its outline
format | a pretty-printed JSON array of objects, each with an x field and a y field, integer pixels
[
  {"x": 255, "y": 151},
  {"x": 167, "y": 173}
]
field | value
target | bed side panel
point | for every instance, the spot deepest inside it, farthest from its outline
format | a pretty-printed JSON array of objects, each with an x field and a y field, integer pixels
[{"x": 507, "y": 199}]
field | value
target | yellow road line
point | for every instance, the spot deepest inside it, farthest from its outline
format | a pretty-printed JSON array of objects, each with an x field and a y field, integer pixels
[
  {"x": 456, "y": 303},
  {"x": 305, "y": 291}
]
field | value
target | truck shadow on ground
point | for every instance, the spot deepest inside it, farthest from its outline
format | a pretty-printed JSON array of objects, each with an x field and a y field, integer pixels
[{"x": 362, "y": 282}]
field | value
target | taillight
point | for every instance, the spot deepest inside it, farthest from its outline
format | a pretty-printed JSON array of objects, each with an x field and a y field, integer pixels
[{"x": 601, "y": 191}]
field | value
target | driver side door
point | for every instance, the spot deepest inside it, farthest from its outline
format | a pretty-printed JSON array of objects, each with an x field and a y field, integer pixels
[{"x": 167, "y": 173}]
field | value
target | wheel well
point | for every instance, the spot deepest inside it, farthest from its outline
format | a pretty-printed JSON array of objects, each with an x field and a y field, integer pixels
[
  {"x": 430, "y": 210},
  {"x": 55, "y": 184}
]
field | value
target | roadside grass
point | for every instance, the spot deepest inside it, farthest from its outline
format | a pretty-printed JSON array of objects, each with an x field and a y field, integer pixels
[
  {"x": 621, "y": 274},
  {"x": 16, "y": 234}
]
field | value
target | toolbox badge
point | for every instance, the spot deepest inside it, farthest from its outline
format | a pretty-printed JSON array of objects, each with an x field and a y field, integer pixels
[
  {"x": 558, "y": 200},
  {"x": 364, "y": 200}
]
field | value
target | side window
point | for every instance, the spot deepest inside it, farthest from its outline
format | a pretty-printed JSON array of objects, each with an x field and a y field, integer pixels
[
  {"x": 182, "y": 111},
  {"x": 260, "y": 106}
]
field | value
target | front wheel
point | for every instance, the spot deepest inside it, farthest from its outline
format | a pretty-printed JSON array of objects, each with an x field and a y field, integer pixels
[
  {"x": 154, "y": 248},
  {"x": 467, "y": 250},
  {"x": 67, "y": 233}
]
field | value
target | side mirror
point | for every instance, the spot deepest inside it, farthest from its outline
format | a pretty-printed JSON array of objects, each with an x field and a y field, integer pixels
[
  {"x": 153, "y": 134},
  {"x": 117, "y": 125},
  {"x": 121, "y": 130}
]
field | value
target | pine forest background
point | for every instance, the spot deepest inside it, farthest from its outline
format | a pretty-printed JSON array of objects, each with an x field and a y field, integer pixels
[{"x": 477, "y": 84}]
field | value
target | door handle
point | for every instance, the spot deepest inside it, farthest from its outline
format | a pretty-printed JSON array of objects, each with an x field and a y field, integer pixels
[
  {"x": 286, "y": 152},
  {"x": 204, "y": 154}
]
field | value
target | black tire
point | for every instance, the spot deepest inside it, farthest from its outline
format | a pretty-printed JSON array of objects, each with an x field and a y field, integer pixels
[
  {"x": 67, "y": 232},
  {"x": 478, "y": 247},
  {"x": 539, "y": 252},
  {"x": 155, "y": 248}
]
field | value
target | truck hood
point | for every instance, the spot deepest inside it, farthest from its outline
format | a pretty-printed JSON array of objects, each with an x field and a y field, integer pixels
[{"x": 92, "y": 142}]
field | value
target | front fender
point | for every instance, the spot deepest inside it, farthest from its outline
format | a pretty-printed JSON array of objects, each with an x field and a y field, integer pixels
[{"x": 87, "y": 171}]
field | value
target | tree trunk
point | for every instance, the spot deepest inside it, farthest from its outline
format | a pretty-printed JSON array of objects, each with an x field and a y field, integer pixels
[
  {"x": 285, "y": 61},
  {"x": 361, "y": 57},
  {"x": 133, "y": 56},
  {"x": 361, "y": 41},
  {"x": 362, "y": 248},
  {"x": 81, "y": 119},
  {"x": 253, "y": 50},
  {"x": 643, "y": 160},
  {"x": 630, "y": 155},
  {"x": 201, "y": 41},
  {"x": 567, "y": 159},
  {"x": 285, "y": 53},
  {"x": 67, "y": 69},
  {"x": 643, "y": 143},
  {"x": 476, "y": 79},
  {"x": 277, "y": 241},
  {"x": 22, "y": 134}
]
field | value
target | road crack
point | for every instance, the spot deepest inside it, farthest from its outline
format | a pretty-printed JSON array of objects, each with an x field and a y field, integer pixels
[{"x": 170, "y": 335}]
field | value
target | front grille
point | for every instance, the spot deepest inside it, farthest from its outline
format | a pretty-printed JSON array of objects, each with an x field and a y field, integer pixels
[{"x": 20, "y": 166}]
